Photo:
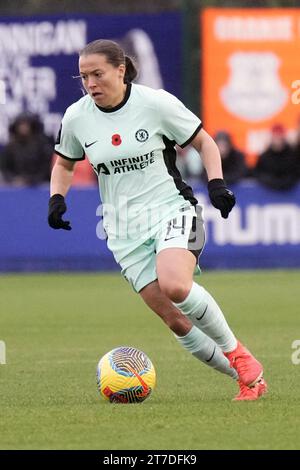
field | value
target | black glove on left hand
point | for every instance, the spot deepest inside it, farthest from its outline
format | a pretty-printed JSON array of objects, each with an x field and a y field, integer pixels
[
  {"x": 57, "y": 207},
  {"x": 221, "y": 197}
]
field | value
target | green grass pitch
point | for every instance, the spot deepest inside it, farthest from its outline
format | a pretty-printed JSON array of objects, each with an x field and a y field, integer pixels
[{"x": 56, "y": 327}]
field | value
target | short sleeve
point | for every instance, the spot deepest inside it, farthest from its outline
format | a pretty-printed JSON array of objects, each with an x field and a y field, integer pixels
[
  {"x": 67, "y": 145},
  {"x": 178, "y": 122}
]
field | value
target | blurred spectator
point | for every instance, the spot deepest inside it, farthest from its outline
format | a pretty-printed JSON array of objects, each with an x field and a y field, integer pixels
[
  {"x": 276, "y": 168},
  {"x": 84, "y": 175},
  {"x": 189, "y": 162},
  {"x": 233, "y": 161},
  {"x": 26, "y": 159}
]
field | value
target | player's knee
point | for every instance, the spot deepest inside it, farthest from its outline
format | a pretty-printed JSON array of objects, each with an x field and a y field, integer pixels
[{"x": 176, "y": 291}]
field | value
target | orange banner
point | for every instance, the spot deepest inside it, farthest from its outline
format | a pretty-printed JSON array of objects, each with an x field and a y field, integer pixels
[{"x": 250, "y": 73}]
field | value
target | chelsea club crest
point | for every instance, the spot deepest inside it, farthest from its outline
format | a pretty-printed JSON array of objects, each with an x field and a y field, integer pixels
[{"x": 142, "y": 135}]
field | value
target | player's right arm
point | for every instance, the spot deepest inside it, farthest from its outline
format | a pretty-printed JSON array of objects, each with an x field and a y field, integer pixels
[
  {"x": 60, "y": 183},
  {"x": 69, "y": 150},
  {"x": 61, "y": 176}
]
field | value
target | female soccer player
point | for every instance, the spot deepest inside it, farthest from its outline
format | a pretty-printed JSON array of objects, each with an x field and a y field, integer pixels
[{"x": 153, "y": 223}]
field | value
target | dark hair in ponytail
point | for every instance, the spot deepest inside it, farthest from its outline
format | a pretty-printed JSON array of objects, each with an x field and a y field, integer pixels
[
  {"x": 131, "y": 70},
  {"x": 114, "y": 55}
]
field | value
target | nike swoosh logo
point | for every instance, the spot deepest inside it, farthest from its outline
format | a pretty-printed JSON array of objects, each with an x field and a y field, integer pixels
[
  {"x": 123, "y": 399},
  {"x": 170, "y": 238},
  {"x": 199, "y": 318},
  {"x": 145, "y": 388},
  {"x": 88, "y": 145}
]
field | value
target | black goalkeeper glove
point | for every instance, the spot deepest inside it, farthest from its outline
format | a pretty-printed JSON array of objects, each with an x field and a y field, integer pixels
[
  {"x": 57, "y": 207},
  {"x": 221, "y": 197}
]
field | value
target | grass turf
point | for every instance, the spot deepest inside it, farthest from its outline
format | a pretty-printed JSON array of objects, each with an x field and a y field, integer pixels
[{"x": 56, "y": 328}]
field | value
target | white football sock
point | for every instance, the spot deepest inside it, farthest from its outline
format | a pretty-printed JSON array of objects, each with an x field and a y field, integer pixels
[
  {"x": 207, "y": 351},
  {"x": 205, "y": 313}
]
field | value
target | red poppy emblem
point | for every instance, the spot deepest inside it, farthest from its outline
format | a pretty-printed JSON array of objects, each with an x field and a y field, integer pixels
[{"x": 116, "y": 139}]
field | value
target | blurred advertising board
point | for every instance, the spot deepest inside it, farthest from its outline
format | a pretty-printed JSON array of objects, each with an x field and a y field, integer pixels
[
  {"x": 39, "y": 57},
  {"x": 250, "y": 73},
  {"x": 262, "y": 231}
]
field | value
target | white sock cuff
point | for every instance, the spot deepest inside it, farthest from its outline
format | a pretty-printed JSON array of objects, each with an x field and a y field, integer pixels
[
  {"x": 196, "y": 294},
  {"x": 192, "y": 341}
]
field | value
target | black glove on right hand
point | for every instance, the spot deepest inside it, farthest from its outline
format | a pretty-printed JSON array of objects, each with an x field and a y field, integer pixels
[
  {"x": 221, "y": 197},
  {"x": 57, "y": 207}
]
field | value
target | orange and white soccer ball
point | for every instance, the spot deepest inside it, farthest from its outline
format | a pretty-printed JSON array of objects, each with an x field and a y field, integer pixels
[{"x": 125, "y": 375}]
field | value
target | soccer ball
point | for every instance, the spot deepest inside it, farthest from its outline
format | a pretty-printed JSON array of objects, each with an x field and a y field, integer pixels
[{"x": 125, "y": 375}]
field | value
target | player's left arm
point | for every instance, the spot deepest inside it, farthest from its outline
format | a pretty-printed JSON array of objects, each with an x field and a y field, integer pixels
[{"x": 221, "y": 197}]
